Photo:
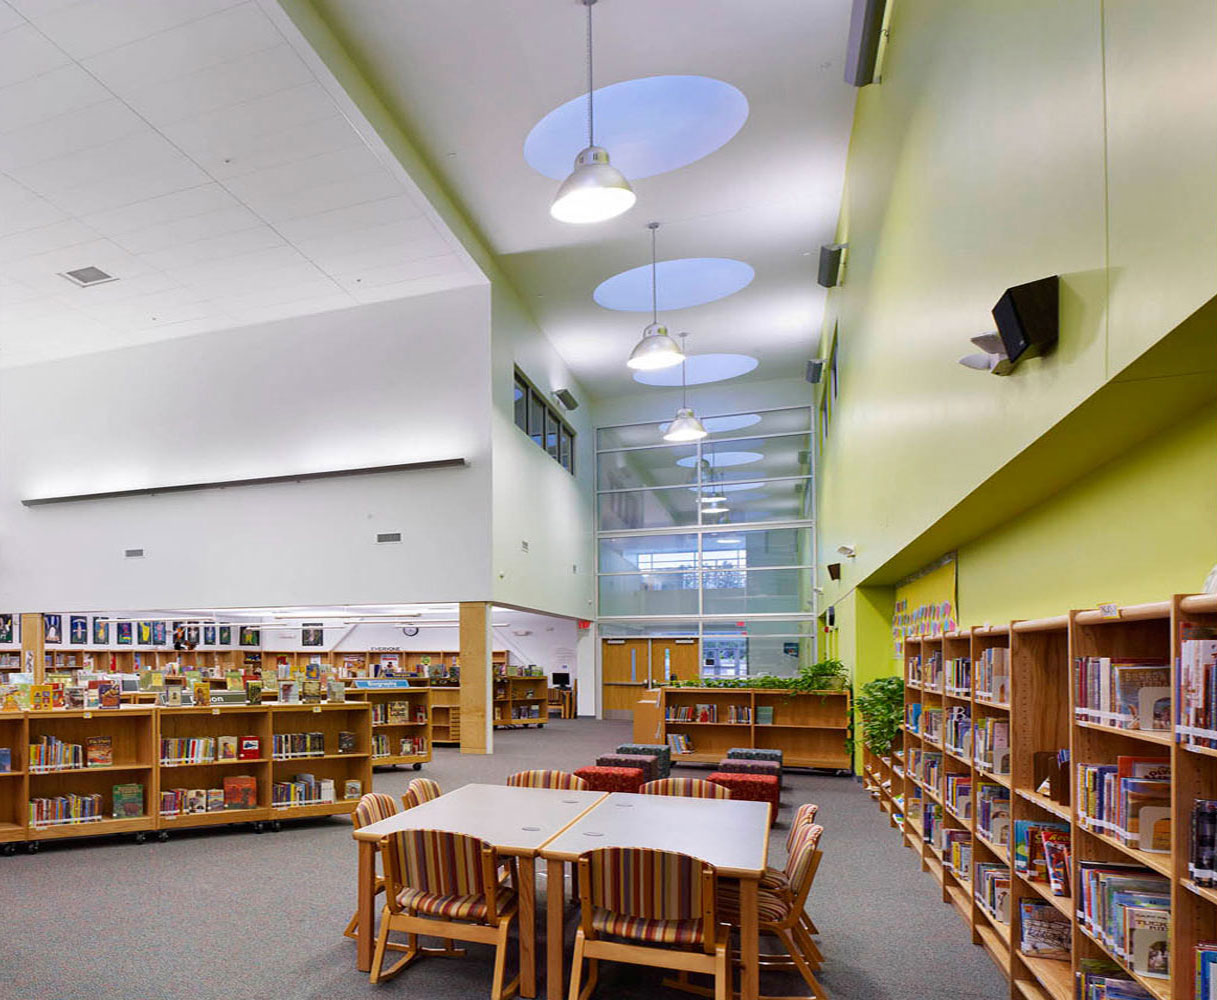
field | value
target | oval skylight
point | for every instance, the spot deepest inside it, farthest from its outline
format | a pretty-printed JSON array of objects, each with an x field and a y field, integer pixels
[
  {"x": 722, "y": 459},
  {"x": 717, "y": 425},
  {"x": 649, "y": 126},
  {"x": 700, "y": 369},
  {"x": 688, "y": 281}
]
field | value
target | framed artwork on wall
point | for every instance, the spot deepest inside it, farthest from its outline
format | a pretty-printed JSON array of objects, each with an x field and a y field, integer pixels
[
  {"x": 209, "y": 635},
  {"x": 101, "y": 631},
  {"x": 52, "y": 628},
  {"x": 143, "y": 633},
  {"x": 78, "y": 630},
  {"x": 124, "y": 633},
  {"x": 6, "y": 628},
  {"x": 312, "y": 634},
  {"x": 160, "y": 633},
  {"x": 249, "y": 636},
  {"x": 225, "y": 635}
]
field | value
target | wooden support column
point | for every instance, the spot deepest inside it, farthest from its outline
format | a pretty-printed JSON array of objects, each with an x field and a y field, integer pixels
[
  {"x": 32, "y": 648},
  {"x": 477, "y": 681}
]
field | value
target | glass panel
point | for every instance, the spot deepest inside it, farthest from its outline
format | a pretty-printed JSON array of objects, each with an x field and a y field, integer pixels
[
  {"x": 756, "y": 458},
  {"x": 755, "y": 549},
  {"x": 551, "y": 433},
  {"x": 650, "y": 554},
  {"x": 649, "y": 594},
  {"x": 731, "y": 425},
  {"x": 766, "y": 647},
  {"x": 568, "y": 449},
  {"x": 643, "y": 630},
  {"x": 763, "y": 591},
  {"x": 749, "y": 503},
  {"x": 648, "y": 467},
  {"x": 536, "y": 418},
  {"x": 521, "y": 404},
  {"x": 676, "y": 508}
]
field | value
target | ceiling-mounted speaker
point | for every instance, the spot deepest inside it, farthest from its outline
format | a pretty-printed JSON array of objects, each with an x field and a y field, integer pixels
[
  {"x": 815, "y": 371},
  {"x": 831, "y": 255},
  {"x": 865, "y": 33},
  {"x": 567, "y": 399},
  {"x": 1028, "y": 320},
  {"x": 834, "y": 571}
]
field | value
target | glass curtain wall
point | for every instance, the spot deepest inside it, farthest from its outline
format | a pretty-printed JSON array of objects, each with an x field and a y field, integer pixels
[{"x": 713, "y": 540}]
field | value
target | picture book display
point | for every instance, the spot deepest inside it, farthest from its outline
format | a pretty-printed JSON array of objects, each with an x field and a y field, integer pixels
[
  {"x": 128, "y": 800},
  {"x": 1129, "y": 800},
  {"x": 1122, "y": 693},
  {"x": 1044, "y": 931}
]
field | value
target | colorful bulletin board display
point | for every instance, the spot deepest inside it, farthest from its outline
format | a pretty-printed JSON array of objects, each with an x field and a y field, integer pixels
[{"x": 926, "y": 603}]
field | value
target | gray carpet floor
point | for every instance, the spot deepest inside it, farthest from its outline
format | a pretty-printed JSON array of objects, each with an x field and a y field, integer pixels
[{"x": 227, "y": 914}]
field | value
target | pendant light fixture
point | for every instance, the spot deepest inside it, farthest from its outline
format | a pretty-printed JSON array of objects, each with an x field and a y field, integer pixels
[
  {"x": 686, "y": 426},
  {"x": 656, "y": 349},
  {"x": 595, "y": 189}
]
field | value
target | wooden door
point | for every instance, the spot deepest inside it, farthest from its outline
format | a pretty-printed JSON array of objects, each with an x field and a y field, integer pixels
[
  {"x": 624, "y": 669},
  {"x": 676, "y": 659}
]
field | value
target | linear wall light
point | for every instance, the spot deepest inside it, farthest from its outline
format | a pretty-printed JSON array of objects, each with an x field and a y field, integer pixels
[{"x": 300, "y": 477}]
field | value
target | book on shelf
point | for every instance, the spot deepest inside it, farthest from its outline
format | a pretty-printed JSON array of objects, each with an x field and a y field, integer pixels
[
  {"x": 201, "y": 692},
  {"x": 51, "y": 754},
  {"x": 1146, "y": 939},
  {"x": 1196, "y": 685},
  {"x": 346, "y": 742},
  {"x": 215, "y": 799},
  {"x": 764, "y": 715},
  {"x": 128, "y": 800},
  {"x": 958, "y": 730},
  {"x": 335, "y": 691},
  {"x": 993, "y": 675},
  {"x": 42, "y": 697},
  {"x": 993, "y": 812},
  {"x": 75, "y": 695},
  {"x": 253, "y": 692},
  {"x": 1103, "y": 979},
  {"x": 227, "y": 747},
  {"x": 1044, "y": 931},
  {"x": 240, "y": 791},
  {"x": 1108, "y": 891},
  {"x": 1029, "y": 858},
  {"x": 1122, "y": 693},
  {"x": 6, "y": 759},
  {"x": 992, "y": 889},
  {"x": 680, "y": 743},
  {"x": 352, "y": 788},
  {"x": 70, "y": 808},
  {"x": 1206, "y": 970},
  {"x": 912, "y": 717},
  {"x": 249, "y": 748},
  {"x": 299, "y": 744},
  {"x": 1202, "y": 862},
  {"x": 289, "y": 692},
  {"x": 99, "y": 751},
  {"x": 957, "y": 851},
  {"x": 931, "y": 676},
  {"x": 991, "y": 744},
  {"x": 311, "y": 692},
  {"x": 931, "y": 724},
  {"x": 959, "y": 676},
  {"x": 958, "y": 794},
  {"x": 1129, "y": 800}
]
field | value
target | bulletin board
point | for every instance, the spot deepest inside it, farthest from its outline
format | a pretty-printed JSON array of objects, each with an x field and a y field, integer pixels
[{"x": 926, "y": 603}]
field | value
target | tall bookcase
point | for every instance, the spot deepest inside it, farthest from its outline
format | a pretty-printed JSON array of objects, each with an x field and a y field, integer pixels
[
  {"x": 809, "y": 729},
  {"x": 1043, "y": 657}
]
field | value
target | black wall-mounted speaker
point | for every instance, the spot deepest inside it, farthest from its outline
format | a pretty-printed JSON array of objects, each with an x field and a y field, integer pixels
[
  {"x": 830, "y": 264},
  {"x": 815, "y": 371},
  {"x": 567, "y": 399},
  {"x": 834, "y": 571},
  {"x": 1028, "y": 320},
  {"x": 830, "y": 617},
  {"x": 865, "y": 30}
]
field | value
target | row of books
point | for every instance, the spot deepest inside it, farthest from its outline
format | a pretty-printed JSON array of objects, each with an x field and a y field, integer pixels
[
  {"x": 993, "y": 675},
  {"x": 1197, "y": 685},
  {"x": 931, "y": 672},
  {"x": 239, "y": 791},
  {"x": 692, "y": 713},
  {"x": 957, "y": 730},
  {"x": 306, "y": 789},
  {"x": 1202, "y": 862},
  {"x": 957, "y": 793},
  {"x": 925, "y": 766},
  {"x": 957, "y": 852},
  {"x": 406, "y": 746},
  {"x": 680, "y": 743},
  {"x": 126, "y": 801},
  {"x": 1043, "y": 853},
  {"x": 1206, "y": 971},
  {"x": 931, "y": 724},
  {"x": 1124, "y": 694},
  {"x": 1129, "y": 800},
  {"x": 387, "y": 712},
  {"x": 959, "y": 676},
  {"x": 932, "y": 823},
  {"x": 991, "y": 744},
  {"x": 992, "y": 889},
  {"x": 53, "y": 754},
  {"x": 287, "y": 745},
  {"x": 1102, "y": 979},
  {"x": 203, "y": 749},
  {"x": 527, "y": 713},
  {"x": 993, "y": 812},
  {"x": 1127, "y": 907},
  {"x": 912, "y": 717}
]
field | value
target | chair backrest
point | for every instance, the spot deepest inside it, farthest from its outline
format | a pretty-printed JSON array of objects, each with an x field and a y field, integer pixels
[
  {"x": 646, "y": 884},
  {"x": 424, "y": 789},
  {"x": 372, "y": 808},
  {"x": 803, "y": 861},
  {"x": 547, "y": 779},
  {"x": 692, "y": 788},
  {"x": 440, "y": 863},
  {"x": 806, "y": 813}
]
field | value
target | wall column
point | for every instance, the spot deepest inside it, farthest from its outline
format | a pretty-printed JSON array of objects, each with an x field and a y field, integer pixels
[
  {"x": 32, "y": 646},
  {"x": 477, "y": 682}
]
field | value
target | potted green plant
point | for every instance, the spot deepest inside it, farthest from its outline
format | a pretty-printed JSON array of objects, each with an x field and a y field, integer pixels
[{"x": 880, "y": 704}]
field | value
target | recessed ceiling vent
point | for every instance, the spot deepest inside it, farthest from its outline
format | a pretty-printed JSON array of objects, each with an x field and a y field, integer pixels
[{"x": 86, "y": 277}]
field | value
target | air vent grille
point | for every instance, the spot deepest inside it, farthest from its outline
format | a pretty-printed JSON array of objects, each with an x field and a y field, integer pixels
[
  {"x": 86, "y": 276},
  {"x": 389, "y": 536},
  {"x": 134, "y": 553}
]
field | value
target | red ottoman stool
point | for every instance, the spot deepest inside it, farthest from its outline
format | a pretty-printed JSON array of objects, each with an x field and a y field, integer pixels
[
  {"x": 751, "y": 788},
  {"x": 648, "y": 762},
  {"x": 730, "y": 765},
  {"x": 612, "y": 779}
]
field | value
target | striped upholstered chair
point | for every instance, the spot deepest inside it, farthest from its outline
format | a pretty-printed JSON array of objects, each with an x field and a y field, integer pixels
[
  {"x": 548, "y": 779},
  {"x": 424, "y": 789},
  {"x": 372, "y": 808},
  {"x": 781, "y": 913},
  {"x": 690, "y": 788},
  {"x": 647, "y": 907},
  {"x": 444, "y": 885}
]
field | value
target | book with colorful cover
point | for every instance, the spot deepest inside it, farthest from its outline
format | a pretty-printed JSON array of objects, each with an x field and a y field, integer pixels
[
  {"x": 253, "y": 692},
  {"x": 227, "y": 746},
  {"x": 1045, "y": 931},
  {"x": 352, "y": 788},
  {"x": 109, "y": 694},
  {"x": 1147, "y": 940},
  {"x": 6, "y": 759},
  {"x": 196, "y": 801},
  {"x": 249, "y": 748},
  {"x": 1142, "y": 696},
  {"x": 335, "y": 691},
  {"x": 240, "y": 792},
  {"x": 99, "y": 751},
  {"x": 42, "y": 697},
  {"x": 310, "y": 692},
  {"x": 215, "y": 799},
  {"x": 1029, "y": 857},
  {"x": 202, "y": 693},
  {"x": 128, "y": 800}
]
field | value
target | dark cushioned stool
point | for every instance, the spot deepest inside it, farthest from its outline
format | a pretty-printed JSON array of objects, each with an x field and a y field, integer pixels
[
  {"x": 733, "y": 765},
  {"x": 612, "y": 779},
  {"x": 648, "y": 762},
  {"x": 752, "y": 788},
  {"x": 663, "y": 752}
]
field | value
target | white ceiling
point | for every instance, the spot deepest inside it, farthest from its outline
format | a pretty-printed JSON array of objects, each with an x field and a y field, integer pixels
[
  {"x": 186, "y": 147},
  {"x": 469, "y": 78}
]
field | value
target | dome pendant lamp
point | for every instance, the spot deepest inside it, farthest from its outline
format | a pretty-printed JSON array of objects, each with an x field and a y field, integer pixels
[
  {"x": 595, "y": 190},
  {"x": 686, "y": 426},
  {"x": 656, "y": 349}
]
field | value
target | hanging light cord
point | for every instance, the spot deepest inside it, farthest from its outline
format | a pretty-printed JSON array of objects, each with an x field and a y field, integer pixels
[
  {"x": 654, "y": 284},
  {"x": 684, "y": 385},
  {"x": 590, "y": 132}
]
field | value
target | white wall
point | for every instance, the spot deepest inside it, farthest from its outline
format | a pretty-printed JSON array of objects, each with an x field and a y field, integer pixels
[
  {"x": 535, "y": 499},
  {"x": 380, "y": 384}
]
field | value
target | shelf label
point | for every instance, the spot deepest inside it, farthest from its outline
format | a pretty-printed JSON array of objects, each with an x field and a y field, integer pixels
[
  {"x": 88, "y": 715},
  {"x": 215, "y": 711},
  {"x": 317, "y": 709},
  {"x": 1109, "y": 610}
]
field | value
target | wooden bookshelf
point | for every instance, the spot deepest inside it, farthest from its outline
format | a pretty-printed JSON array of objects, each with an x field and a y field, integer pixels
[
  {"x": 809, "y": 729},
  {"x": 520, "y": 702},
  {"x": 329, "y": 720},
  {"x": 445, "y": 713},
  {"x": 1042, "y": 712},
  {"x": 418, "y": 698}
]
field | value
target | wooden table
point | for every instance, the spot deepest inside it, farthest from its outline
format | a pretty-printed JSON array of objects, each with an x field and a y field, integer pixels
[
  {"x": 517, "y": 822},
  {"x": 731, "y": 835}
]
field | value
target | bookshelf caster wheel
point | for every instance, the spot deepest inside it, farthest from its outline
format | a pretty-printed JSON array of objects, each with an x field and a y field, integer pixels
[
  {"x": 259, "y": 827},
  {"x": 31, "y": 847},
  {"x": 276, "y": 825},
  {"x": 162, "y": 836},
  {"x": 417, "y": 767},
  {"x": 140, "y": 838},
  {"x": 9, "y": 850}
]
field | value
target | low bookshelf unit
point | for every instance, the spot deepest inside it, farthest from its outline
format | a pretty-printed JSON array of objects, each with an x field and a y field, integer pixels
[
  {"x": 1048, "y": 775},
  {"x": 811, "y": 729},
  {"x": 520, "y": 702},
  {"x": 401, "y": 723}
]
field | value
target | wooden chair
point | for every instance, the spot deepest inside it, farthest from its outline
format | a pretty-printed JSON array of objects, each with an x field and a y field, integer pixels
[
  {"x": 444, "y": 885},
  {"x": 372, "y": 808},
  {"x": 424, "y": 789},
  {"x": 547, "y": 779},
  {"x": 780, "y": 912},
  {"x": 692, "y": 788},
  {"x": 661, "y": 903}
]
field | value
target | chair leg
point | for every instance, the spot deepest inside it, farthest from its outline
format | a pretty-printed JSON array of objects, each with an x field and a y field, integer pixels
[
  {"x": 497, "y": 990},
  {"x": 379, "y": 973},
  {"x": 811, "y": 950},
  {"x": 350, "y": 931},
  {"x": 722, "y": 973},
  {"x": 593, "y": 977},
  {"x": 576, "y": 966},
  {"x": 804, "y": 969}
]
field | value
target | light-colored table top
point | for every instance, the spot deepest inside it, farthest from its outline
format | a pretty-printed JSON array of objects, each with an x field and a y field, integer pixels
[
  {"x": 513, "y": 820},
  {"x": 731, "y": 835}
]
